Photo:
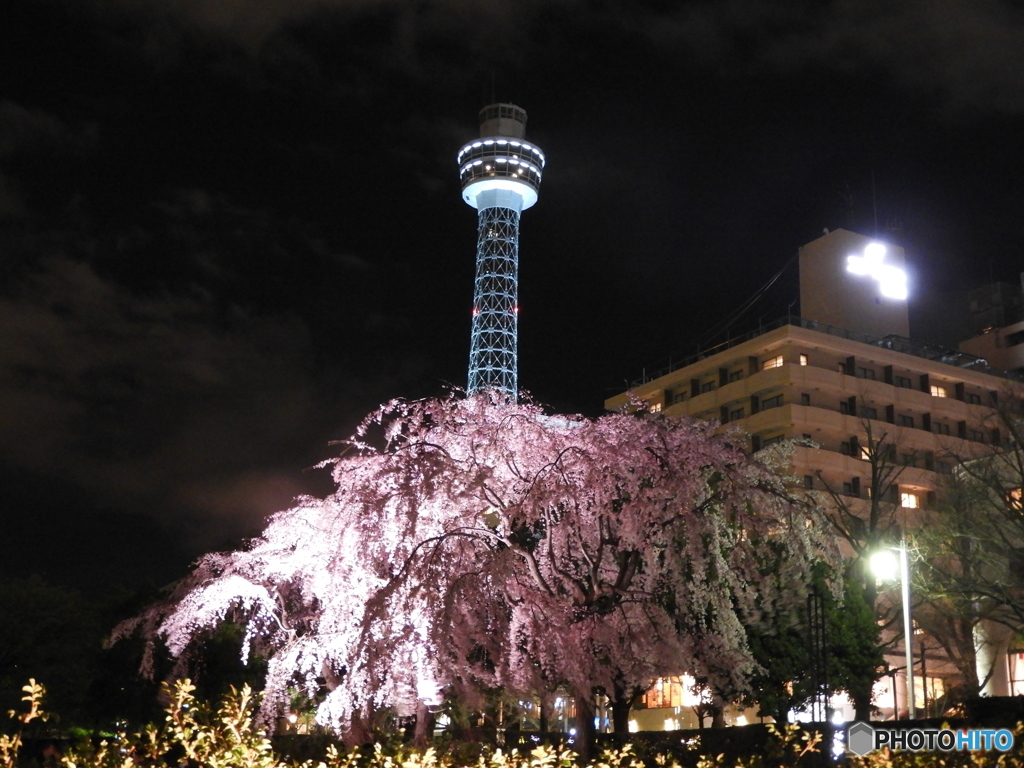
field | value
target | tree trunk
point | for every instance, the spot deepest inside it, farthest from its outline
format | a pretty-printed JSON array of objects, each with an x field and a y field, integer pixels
[
  {"x": 622, "y": 703},
  {"x": 544, "y": 726},
  {"x": 585, "y": 732},
  {"x": 422, "y": 733},
  {"x": 359, "y": 732}
]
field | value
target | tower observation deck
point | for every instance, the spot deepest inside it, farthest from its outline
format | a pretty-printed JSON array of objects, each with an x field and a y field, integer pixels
[{"x": 500, "y": 175}]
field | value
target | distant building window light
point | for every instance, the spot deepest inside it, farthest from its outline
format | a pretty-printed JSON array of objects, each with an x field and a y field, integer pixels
[
  {"x": 865, "y": 453},
  {"x": 654, "y": 407},
  {"x": 803, "y": 360},
  {"x": 938, "y": 391},
  {"x": 909, "y": 500},
  {"x": 775, "y": 362},
  {"x": 1015, "y": 499}
]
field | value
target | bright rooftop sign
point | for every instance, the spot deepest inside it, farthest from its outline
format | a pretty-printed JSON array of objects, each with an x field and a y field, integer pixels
[{"x": 892, "y": 281}]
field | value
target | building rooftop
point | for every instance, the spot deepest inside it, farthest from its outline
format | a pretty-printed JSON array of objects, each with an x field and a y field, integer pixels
[{"x": 893, "y": 342}]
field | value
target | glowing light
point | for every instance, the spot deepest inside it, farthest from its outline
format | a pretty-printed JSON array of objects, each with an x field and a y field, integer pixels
[
  {"x": 502, "y": 141},
  {"x": 885, "y": 565},
  {"x": 892, "y": 281},
  {"x": 488, "y": 142},
  {"x": 477, "y": 144}
]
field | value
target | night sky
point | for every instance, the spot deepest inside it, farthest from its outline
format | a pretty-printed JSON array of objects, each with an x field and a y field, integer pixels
[{"x": 228, "y": 229}]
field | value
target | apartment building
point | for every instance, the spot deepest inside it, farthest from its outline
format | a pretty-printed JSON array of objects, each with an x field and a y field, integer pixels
[{"x": 845, "y": 367}]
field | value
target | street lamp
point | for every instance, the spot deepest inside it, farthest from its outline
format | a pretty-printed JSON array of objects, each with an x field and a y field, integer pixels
[{"x": 886, "y": 566}]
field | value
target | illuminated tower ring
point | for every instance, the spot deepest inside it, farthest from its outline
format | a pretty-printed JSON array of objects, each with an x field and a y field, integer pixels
[{"x": 500, "y": 174}]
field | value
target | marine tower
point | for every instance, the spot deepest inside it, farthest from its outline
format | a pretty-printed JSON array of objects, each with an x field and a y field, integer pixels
[{"x": 500, "y": 174}]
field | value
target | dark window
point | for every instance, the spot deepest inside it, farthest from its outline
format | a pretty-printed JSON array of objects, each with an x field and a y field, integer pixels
[
  {"x": 771, "y": 402},
  {"x": 707, "y": 386},
  {"x": 868, "y": 413},
  {"x": 1014, "y": 339},
  {"x": 907, "y": 459},
  {"x": 848, "y": 491},
  {"x": 865, "y": 373},
  {"x": 805, "y": 399},
  {"x": 844, "y": 407},
  {"x": 976, "y": 436},
  {"x": 942, "y": 466},
  {"x": 846, "y": 448},
  {"x": 903, "y": 381},
  {"x": 736, "y": 414},
  {"x": 735, "y": 375},
  {"x": 973, "y": 399},
  {"x": 809, "y": 483},
  {"x": 905, "y": 421},
  {"x": 772, "y": 440},
  {"x": 941, "y": 429}
]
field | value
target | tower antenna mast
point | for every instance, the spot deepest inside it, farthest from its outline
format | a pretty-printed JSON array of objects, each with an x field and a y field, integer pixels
[{"x": 500, "y": 174}]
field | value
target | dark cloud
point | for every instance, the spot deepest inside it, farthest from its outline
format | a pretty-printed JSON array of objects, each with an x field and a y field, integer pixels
[{"x": 164, "y": 403}]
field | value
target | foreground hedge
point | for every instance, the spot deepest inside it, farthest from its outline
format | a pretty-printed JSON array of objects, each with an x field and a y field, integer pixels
[{"x": 194, "y": 736}]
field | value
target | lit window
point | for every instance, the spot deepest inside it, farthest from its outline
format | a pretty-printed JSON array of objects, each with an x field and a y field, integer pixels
[
  {"x": 654, "y": 407},
  {"x": 803, "y": 359},
  {"x": 909, "y": 500},
  {"x": 775, "y": 362},
  {"x": 1015, "y": 499},
  {"x": 938, "y": 391},
  {"x": 865, "y": 453}
]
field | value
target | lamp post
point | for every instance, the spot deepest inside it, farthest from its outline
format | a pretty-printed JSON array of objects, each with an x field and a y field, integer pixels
[{"x": 886, "y": 566}]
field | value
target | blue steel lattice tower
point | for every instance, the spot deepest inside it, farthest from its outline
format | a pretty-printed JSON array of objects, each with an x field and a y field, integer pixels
[{"x": 500, "y": 175}]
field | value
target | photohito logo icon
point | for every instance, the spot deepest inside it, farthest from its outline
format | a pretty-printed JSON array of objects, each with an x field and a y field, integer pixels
[{"x": 860, "y": 739}]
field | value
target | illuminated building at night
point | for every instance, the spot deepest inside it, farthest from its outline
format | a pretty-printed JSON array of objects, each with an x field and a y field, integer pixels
[
  {"x": 500, "y": 174},
  {"x": 845, "y": 366}
]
